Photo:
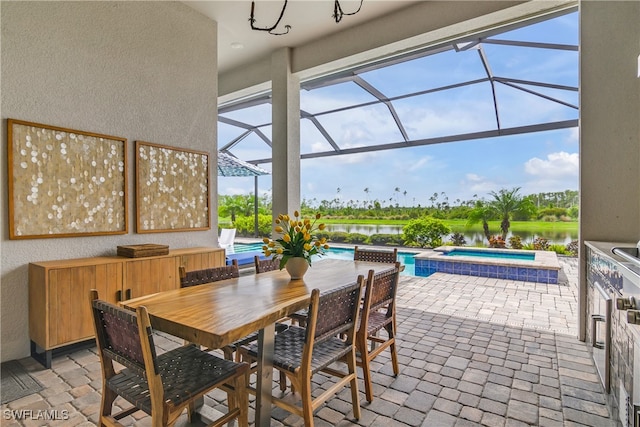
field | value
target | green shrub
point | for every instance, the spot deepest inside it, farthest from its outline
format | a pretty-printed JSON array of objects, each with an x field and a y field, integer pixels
[
  {"x": 425, "y": 232},
  {"x": 356, "y": 238},
  {"x": 549, "y": 218},
  {"x": 245, "y": 225},
  {"x": 557, "y": 212},
  {"x": 386, "y": 239},
  {"x": 559, "y": 249},
  {"x": 573, "y": 212},
  {"x": 515, "y": 242},
  {"x": 338, "y": 236}
]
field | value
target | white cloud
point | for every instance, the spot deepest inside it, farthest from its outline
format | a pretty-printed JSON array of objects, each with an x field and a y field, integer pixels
[
  {"x": 557, "y": 165},
  {"x": 478, "y": 184},
  {"x": 558, "y": 172},
  {"x": 419, "y": 164},
  {"x": 574, "y": 136},
  {"x": 351, "y": 159}
]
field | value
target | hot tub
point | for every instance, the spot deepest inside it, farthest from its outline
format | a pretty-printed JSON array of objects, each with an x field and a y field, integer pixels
[{"x": 509, "y": 264}]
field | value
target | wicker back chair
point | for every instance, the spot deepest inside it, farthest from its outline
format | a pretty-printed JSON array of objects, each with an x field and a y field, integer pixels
[
  {"x": 215, "y": 274},
  {"x": 302, "y": 352},
  {"x": 163, "y": 385},
  {"x": 208, "y": 275},
  {"x": 264, "y": 265},
  {"x": 378, "y": 312},
  {"x": 375, "y": 255}
]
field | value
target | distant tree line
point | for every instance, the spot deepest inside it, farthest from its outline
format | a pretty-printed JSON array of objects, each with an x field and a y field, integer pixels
[{"x": 550, "y": 206}]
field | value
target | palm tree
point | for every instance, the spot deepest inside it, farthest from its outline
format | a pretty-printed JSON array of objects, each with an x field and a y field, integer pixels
[
  {"x": 237, "y": 204},
  {"x": 505, "y": 203},
  {"x": 481, "y": 212}
]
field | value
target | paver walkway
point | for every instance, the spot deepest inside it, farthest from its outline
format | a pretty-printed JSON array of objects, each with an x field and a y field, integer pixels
[{"x": 473, "y": 351}]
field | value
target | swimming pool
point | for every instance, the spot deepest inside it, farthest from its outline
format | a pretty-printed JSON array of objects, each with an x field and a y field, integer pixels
[
  {"x": 406, "y": 258},
  {"x": 528, "y": 266}
]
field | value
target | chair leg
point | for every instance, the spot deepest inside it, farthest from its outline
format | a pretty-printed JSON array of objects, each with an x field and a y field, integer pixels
[
  {"x": 307, "y": 407},
  {"x": 283, "y": 382},
  {"x": 191, "y": 412},
  {"x": 392, "y": 349},
  {"x": 106, "y": 405},
  {"x": 242, "y": 400},
  {"x": 362, "y": 345},
  {"x": 355, "y": 399},
  {"x": 228, "y": 353}
]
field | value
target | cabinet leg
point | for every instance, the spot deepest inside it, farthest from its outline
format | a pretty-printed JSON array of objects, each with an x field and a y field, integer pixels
[{"x": 44, "y": 357}]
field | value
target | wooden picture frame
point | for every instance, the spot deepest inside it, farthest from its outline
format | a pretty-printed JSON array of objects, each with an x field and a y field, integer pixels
[
  {"x": 65, "y": 182},
  {"x": 172, "y": 189}
]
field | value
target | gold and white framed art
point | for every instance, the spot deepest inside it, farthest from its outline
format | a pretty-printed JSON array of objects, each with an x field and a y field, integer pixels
[
  {"x": 172, "y": 189},
  {"x": 65, "y": 182}
]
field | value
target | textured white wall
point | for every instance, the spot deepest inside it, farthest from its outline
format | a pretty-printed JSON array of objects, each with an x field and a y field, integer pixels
[{"x": 139, "y": 70}]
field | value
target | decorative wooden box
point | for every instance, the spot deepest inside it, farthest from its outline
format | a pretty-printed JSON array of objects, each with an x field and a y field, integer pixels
[{"x": 139, "y": 251}]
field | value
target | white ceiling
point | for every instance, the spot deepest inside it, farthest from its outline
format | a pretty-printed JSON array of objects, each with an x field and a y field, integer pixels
[{"x": 309, "y": 20}]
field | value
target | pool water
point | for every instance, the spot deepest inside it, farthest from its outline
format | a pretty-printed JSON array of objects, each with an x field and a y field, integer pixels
[
  {"x": 495, "y": 255},
  {"x": 406, "y": 258}
]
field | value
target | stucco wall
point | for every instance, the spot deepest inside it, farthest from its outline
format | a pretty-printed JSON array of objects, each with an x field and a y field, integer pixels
[{"x": 139, "y": 70}]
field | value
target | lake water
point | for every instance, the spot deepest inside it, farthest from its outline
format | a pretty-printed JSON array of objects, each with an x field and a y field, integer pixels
[{"x": 472, "y": 238}]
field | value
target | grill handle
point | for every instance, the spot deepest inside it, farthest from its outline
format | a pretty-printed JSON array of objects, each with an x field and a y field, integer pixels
[{"x": 595, "y": 318}]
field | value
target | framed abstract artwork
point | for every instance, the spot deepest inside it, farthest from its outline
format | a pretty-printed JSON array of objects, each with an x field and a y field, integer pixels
[
  {"x": 65, "y": 182},
  {"x": 172, "y": 189}
]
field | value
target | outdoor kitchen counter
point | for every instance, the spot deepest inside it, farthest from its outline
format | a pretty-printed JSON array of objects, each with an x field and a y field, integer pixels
[
  {"x": 615, "y": 341},
  {"x": 630, "y": 272}
]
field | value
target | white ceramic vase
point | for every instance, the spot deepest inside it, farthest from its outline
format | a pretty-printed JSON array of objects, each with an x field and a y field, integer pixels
[{"x": 296, "y": 267}]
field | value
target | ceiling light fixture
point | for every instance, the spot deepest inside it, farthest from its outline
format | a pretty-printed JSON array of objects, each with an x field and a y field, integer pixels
[{"x": 338, "y": 14}]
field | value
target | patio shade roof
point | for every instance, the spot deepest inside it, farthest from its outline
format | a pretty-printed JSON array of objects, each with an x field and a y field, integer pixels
[
  {"x": 229, "y": 165},
  {"x": 480, "y": 87}
]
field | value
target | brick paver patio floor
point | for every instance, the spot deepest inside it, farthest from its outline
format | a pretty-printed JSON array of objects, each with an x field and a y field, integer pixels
[{"x": 473, "y": 352}]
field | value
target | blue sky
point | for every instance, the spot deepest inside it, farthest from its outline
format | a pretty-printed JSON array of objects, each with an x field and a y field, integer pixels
[{"x": 537, "y": 162}]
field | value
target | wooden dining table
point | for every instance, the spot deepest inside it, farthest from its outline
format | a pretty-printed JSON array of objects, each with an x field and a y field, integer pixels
[{"x": 217, "y": 314}]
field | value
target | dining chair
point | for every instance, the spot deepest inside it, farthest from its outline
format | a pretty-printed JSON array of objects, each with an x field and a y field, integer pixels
[
  {"x": 375, "y": 255},
  {"x": 264, "y": 265},
  {"x": 208, "y": 275},
  {"x": 370, "y": 255},
  {"x": 212, "y": 275},
  {"x": 302, "y": 352},
  {"x": 161, "y": 385},
  {"x": 378, "y": 312}
]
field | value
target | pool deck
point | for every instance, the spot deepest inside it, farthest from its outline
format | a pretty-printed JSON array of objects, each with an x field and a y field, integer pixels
[{"x": 473, "y": 351}]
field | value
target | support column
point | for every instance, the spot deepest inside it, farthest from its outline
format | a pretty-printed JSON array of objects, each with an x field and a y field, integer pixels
[
  {"x": 609, "y": 129},
  {"x": 285, "y": 134}
]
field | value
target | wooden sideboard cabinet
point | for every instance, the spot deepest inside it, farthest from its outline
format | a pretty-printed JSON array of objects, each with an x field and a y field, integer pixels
[{"x": 59, "y": 313}]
